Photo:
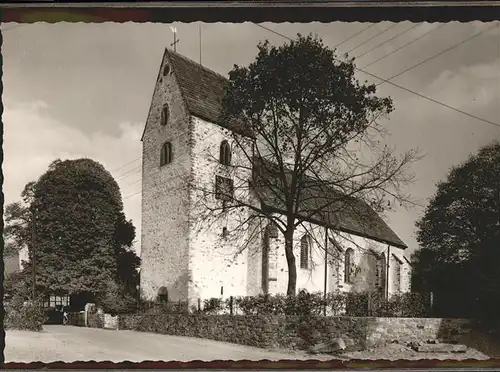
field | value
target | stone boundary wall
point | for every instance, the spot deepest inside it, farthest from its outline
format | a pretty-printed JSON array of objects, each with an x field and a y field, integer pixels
[
  {"x": 382, "y": 330},
  {"x": 293, "y": 332},
  {"x": 95, "y": 320}
]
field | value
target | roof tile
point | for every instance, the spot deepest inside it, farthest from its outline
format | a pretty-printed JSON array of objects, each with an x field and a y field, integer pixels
[{"x": 203, "y": 90}]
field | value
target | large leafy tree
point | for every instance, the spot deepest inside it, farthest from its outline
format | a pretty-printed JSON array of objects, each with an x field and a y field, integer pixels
[
  {"x": 315, "y": 143},
  {"x": 459, "y": 236},
  {"x": 72, "y": 222}
]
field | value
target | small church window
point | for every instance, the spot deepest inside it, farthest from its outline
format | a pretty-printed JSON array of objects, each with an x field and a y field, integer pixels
[
  {"x": 381, "y": 267},
  {"x": 164, "y": 115},
  {"x": 225, "y": 153},
  {"x": 272, "y": 230},
  {"x": 225, "y": 233},
  {"x": 163, "y": 295},
  {"x": 224, "y": 188},
  {"x": 166, "y": 70},
  {"x": 397, "y": 275},
  {"x": 166, "y": 154},
  {"x": 304, "y": 252},
  {"x": 349, "y": 266}
]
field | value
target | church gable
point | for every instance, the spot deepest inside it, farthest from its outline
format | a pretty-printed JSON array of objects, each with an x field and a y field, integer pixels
[
  {"x": 162, "y": 108},
  {"x": 202, "y": 89}
]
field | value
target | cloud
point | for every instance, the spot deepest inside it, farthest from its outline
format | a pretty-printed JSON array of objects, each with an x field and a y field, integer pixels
[
  {"x": 33, "y": 139},
  {"x": 445, "y": 136}
]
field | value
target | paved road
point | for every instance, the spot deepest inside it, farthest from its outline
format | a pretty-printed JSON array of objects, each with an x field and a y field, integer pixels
[{"x": 68, "y": 344}]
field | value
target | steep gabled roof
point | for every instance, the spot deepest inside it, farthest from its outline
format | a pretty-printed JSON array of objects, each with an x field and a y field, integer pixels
[
  {"x": 202, "y": 89},
  {"x": 336, "y": 210}
]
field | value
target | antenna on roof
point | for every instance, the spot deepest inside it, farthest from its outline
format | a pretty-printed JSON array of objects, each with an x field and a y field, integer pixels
[
  {"x": 174, "y": 44},
  {"x": 199, "y": 29}
]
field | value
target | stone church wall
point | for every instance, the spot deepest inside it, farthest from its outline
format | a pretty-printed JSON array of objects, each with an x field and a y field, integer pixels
[
  {"x": 197, "y": 258},
  {"x": 165, "y": 198},
  {"x": 367, "y": 265},
  {"x": 218, "y": 260}
]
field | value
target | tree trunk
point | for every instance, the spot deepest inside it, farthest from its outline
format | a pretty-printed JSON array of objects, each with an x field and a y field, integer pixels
[{"x": 290, "y": 259}]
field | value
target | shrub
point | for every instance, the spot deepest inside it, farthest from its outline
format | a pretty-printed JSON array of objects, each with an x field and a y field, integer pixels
[
  {"x": 259, "y": 305},
  {"x": 28, "y": 317},
  {"x": 115, "y": 301},
  {"x": 213, "y": 306},
  {"x": 336, "y": 302},
  {"x": 303, "y": 304},
  {"x": 95, "y": 320},
  {"x": 408, "y": 305}
]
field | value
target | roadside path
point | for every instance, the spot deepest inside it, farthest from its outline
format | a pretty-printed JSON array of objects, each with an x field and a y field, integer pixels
[{"x": 69, "y": 344}]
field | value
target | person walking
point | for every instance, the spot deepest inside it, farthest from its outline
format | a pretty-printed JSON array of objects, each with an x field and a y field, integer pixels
[{"x": 65, "y": 315}]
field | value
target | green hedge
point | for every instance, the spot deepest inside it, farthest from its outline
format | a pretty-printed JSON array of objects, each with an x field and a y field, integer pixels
[
  {"x": 372, "y": 304},
  {"x": 411, "y": 305}
]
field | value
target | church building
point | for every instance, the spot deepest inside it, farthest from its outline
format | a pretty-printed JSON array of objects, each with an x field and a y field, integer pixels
[{"x": 185, "y": 263}]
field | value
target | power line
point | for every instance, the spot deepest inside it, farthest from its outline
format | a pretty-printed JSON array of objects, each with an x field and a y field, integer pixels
[
  {"x": 404, "y": 45},
  {"x": 440, "y": 53},
  {"x": 123, "y": 166},
  {"x": 129, "y": 196},
  {"x": 140, "y": 157},
  {"x": 373, "y": 37},
  {"x": 385, "y": 42},
  {"x": 356, "y": 34},
  {"x": 406, "y": 89},
  {"x": 435, "y": 101},
  {"x": 383, "y": 80},
  {"x": 133, "y": 169}
]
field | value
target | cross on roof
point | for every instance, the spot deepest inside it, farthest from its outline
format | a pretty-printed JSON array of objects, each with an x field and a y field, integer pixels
[{"x": 174, "y": 44}]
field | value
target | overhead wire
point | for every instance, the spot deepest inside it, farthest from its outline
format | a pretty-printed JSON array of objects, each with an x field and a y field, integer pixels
[
  {"x": 477, "y": 34},
  {"x": 387, "y": 41},
  {"x": 373, "y": 37},
  {"x": 404, "y": 88},
  {"x": 342, "y": 42},
  {"x": 384, "y": 80},
  {"x": 404, "y": 46},
  {"x": 356, "y": 34}
]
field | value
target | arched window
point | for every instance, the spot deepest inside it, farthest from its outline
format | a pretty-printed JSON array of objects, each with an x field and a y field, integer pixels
[
  {"x": 272, "y": 230},
  {"x": 166, "y": 70},
  {"x": 164, "y": 115},
  {"x": 166, "y": 154},
  {"x": 163, "y": 295},
  {"x": 381, "y": 270},
  {"x": 304, "y": 252},
  {"x": 397, "y": 275},
  {"x": 225, "y": 153},
  {"x": 349, "y": 266}
]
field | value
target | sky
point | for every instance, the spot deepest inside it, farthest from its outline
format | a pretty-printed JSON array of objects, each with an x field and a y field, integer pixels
[{"x": 83, "y": 90}]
